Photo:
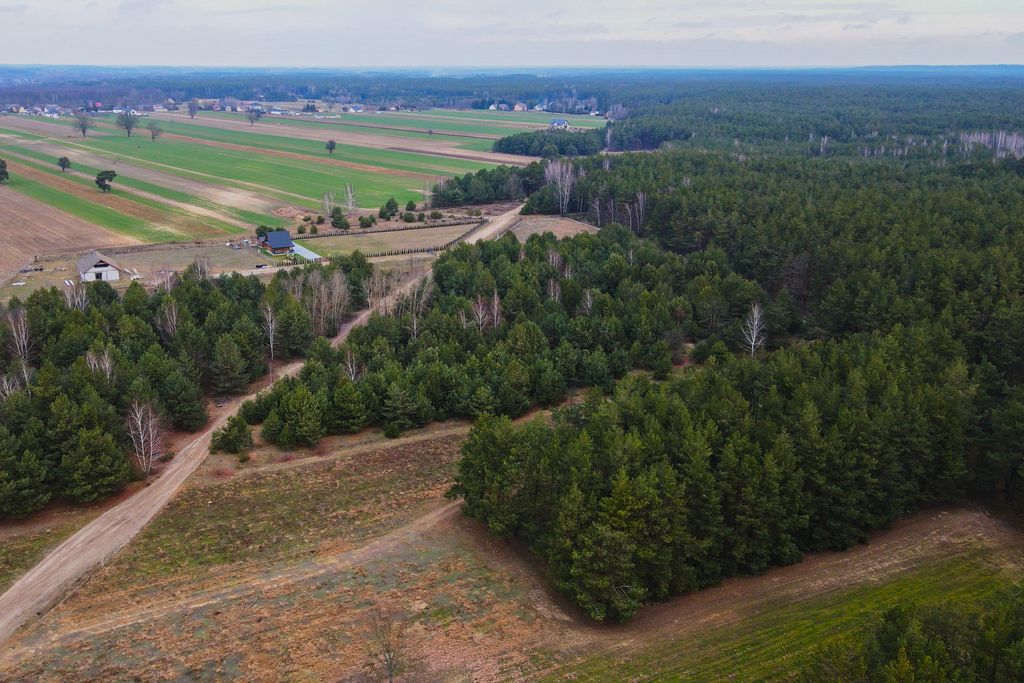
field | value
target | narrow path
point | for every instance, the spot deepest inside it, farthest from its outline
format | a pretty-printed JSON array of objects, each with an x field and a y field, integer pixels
[{"x": 70, "y": 563}]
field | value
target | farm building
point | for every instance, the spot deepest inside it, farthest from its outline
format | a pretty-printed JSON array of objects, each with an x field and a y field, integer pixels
[
  {"x": 96, "y": 266},
  {"x": 277, "y": 242},
  {"x": 520, "y": 106},
  {"x": 560, "y": 123}
]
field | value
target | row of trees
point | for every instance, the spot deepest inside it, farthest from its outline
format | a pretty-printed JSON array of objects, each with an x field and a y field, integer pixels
[
  {"x": 90, "y": 381},
  {"x": 553, "y": 143}
]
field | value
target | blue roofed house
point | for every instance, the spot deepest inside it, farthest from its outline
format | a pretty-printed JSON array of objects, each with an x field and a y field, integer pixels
[
  {"x": 560, "y": 123},
  {"x": 277, "y": 242}
]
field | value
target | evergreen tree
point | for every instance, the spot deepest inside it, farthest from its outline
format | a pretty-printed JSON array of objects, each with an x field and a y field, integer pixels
[
  {"x": 228, "y": 370},
  {"x": 93, "y": 467}
]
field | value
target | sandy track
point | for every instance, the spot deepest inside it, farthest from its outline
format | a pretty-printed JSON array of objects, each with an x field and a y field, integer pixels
[
  {"x": 30, "y": 227},
  {"x": 72, "y": 561}
]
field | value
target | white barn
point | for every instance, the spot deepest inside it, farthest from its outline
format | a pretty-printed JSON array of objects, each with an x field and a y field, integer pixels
[{"x": 95, "y": 266}]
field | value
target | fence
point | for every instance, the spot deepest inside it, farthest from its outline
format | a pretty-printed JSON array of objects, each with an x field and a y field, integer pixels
[{"x": 333, "y": 232}]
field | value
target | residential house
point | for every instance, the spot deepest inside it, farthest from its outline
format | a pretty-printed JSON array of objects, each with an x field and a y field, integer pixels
[
  {"x": 277, "y": 242},
  {"x": 560, "y": 124},
  {"x": 520, "y": 106}
]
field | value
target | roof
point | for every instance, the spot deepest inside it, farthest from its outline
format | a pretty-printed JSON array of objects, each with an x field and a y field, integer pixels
[
  {"x": 559, "y": 122},
  {"x": 278, "y": 239},
  {"x": 92, "y": 258}
]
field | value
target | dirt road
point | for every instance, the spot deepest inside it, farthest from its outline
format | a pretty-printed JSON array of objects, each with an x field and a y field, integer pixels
[{"x": 71, "y": 562}]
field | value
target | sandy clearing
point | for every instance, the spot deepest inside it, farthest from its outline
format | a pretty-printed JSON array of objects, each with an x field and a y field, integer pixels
[
  {"x": 31, "y": 227},
  {"x": 561, "y": 227}
]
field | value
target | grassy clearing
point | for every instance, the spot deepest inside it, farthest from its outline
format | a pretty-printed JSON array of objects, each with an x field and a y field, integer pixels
[
  {"x": 19, "y": 553},
  {"x": 94, "y": 213},
  {"x": 772, "y": 643},
  {"x": 385, "y": 241},
  {"x": 540, "y": 118},
  {"x": 263, "y": 516}
]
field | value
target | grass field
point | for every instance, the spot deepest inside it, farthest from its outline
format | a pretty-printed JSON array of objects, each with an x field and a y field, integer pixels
[{"x": 385, "y": 241}]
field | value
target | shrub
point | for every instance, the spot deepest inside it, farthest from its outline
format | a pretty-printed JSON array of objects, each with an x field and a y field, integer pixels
[
  {"x": 436, "y": 215},
  {"x": 410, "y": 205},
  {"x": 421, "y": 217},
  {"x": 302, "y": 229},
  {"x": 409, "y": 217},
  {"x": 234, "y": 437}
]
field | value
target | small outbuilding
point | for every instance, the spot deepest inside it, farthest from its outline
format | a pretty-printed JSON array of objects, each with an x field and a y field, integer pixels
[
  {"x": 95, "y": 266},
  {"x": 278, "y": 242}
]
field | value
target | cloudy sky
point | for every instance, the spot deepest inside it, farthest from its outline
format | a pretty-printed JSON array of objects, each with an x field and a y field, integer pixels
[{"x": 474, "y": 33}]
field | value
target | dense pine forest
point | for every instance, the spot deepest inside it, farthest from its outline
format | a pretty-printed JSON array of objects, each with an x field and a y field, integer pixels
[{"x": 92, "y": 379}]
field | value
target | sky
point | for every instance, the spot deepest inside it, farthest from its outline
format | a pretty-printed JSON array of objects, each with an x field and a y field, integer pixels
[{"x": 522, "y": 33}]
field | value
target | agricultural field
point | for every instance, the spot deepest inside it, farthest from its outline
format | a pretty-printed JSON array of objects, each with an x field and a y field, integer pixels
[
  {"x": 218, "y": 176},
  {"x": 270, "y": 568}
]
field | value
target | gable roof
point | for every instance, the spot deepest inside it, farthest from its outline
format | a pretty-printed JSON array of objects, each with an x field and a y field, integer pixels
[
  {"x": 559, "y": 122},
  {"x": 93, "y": 257},
  {"x": 278, "y": 239}
]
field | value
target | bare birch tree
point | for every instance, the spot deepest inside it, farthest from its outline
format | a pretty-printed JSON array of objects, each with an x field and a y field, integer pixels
[
  {"x": 327, "y": 203},
  {"x": 353, "y": 369},
  {"x": 561, "y": 175},
  {"x": 101, "y": 362},
  {"x": 146, "y": 435},
  {"x": 641, "y": 209},
  {"x": 481, "y": 312},
  {"x": 495, "y": 308},
  {"x": 387, "y": 636},
  {"x": 8, "y": 385},
  {"x": 753, "y": 329},
  {"x": 76, "y": 296},
  {"x": 269, "y": 316},
  {"x": 20, "y": 342},
  {"x": 202, "y": 268},
  {"x": 554, "y": 289},
  {"x": 416, "y": 304},
  {"x": 587, "y": 302},
  {"x": 167, "y": 318},
  {"x": 350, "y": 197}
]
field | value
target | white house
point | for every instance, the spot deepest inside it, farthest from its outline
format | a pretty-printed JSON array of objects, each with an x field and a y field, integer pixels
[{"x": 95, "y": 266}]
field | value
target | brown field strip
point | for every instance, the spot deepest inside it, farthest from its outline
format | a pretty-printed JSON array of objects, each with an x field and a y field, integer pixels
[{"x": 31, "y": 228}]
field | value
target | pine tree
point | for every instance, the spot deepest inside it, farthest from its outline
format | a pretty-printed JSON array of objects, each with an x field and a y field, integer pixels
[
  {"x": 93, "y": 468},
  {"x": 183, "y": 401},
  {"x": 228, "y": 370},
  {"x": 23, "y": 488},
  {"x": 347, "y": 413},
  {"x": 302, "y": 419}
]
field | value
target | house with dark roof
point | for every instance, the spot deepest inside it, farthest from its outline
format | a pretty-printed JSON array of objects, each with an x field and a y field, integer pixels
[
  {"x": 560, "y": 123},
  {"x": 95, "y": 266},
  {"x": 277, "y": 242}
]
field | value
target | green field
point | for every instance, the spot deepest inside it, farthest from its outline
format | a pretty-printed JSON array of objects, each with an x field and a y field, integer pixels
[{"x": 771, "y": 643}]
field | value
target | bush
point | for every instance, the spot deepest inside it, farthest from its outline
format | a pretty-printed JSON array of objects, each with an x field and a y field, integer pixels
[
  {"x": 409, "y": 217},
  {"x": 233, "y": 437},
  {"x": 338, "y": 219},
  {"x": 410, "y": 205},
  {"x": 421, "y": 217},
  {"x": 313, "y": 230},
  {"x": 320, "y": 220},
  {"x": 302, "y": 229},
  {"x": 436, "y": 215}
]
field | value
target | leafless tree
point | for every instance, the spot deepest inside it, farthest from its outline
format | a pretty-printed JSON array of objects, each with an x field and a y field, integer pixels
[
  {"x": 481, "y": 311},
  {"x": 561, "y": 175},
  {"x": 164, "y": 278},
  {"x": 554, "y": 289},
  {"x": 606, "y": 162},
  {"x": 350, "y": 197},
  {"x": 167, "y": 318},
  {"x": 379, "y": 291},
  {"x": 8, "y": 385},
  {"x": 253, "y": 116},
  {"x": 415, "y": 303},
  {"x": 753, "y": 329},
  {"x": 495, "y": 308},
  {"x": 327, "y": 203},
  {"x": 146, "y": 434},
  {"x": 387, "y": 634},
  {"x": 629, "y": 215},
  {"x": 595, "y": 210},
  {"x": 83, "y": 122},
  {"x": 641, "y": 209},
  {"x": 317, "y": 301},
  {"x": 202, "y": 267},
  {"x": 193, "y": 108},
  {"x": 101, "y": 362},
  {"x": 20, "y": 342},
  {"x": 555, "y": 259},
  {"x": 514, "y": 187},
  {"x": 269, "y": 316},
  {"x": 154, "y": 130},
  {"x": 76, "y": 296},
  {"x": 339, "y": 294},
  {"x": 587, "y": 302},
  {"x": 353, "y": 369}
]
